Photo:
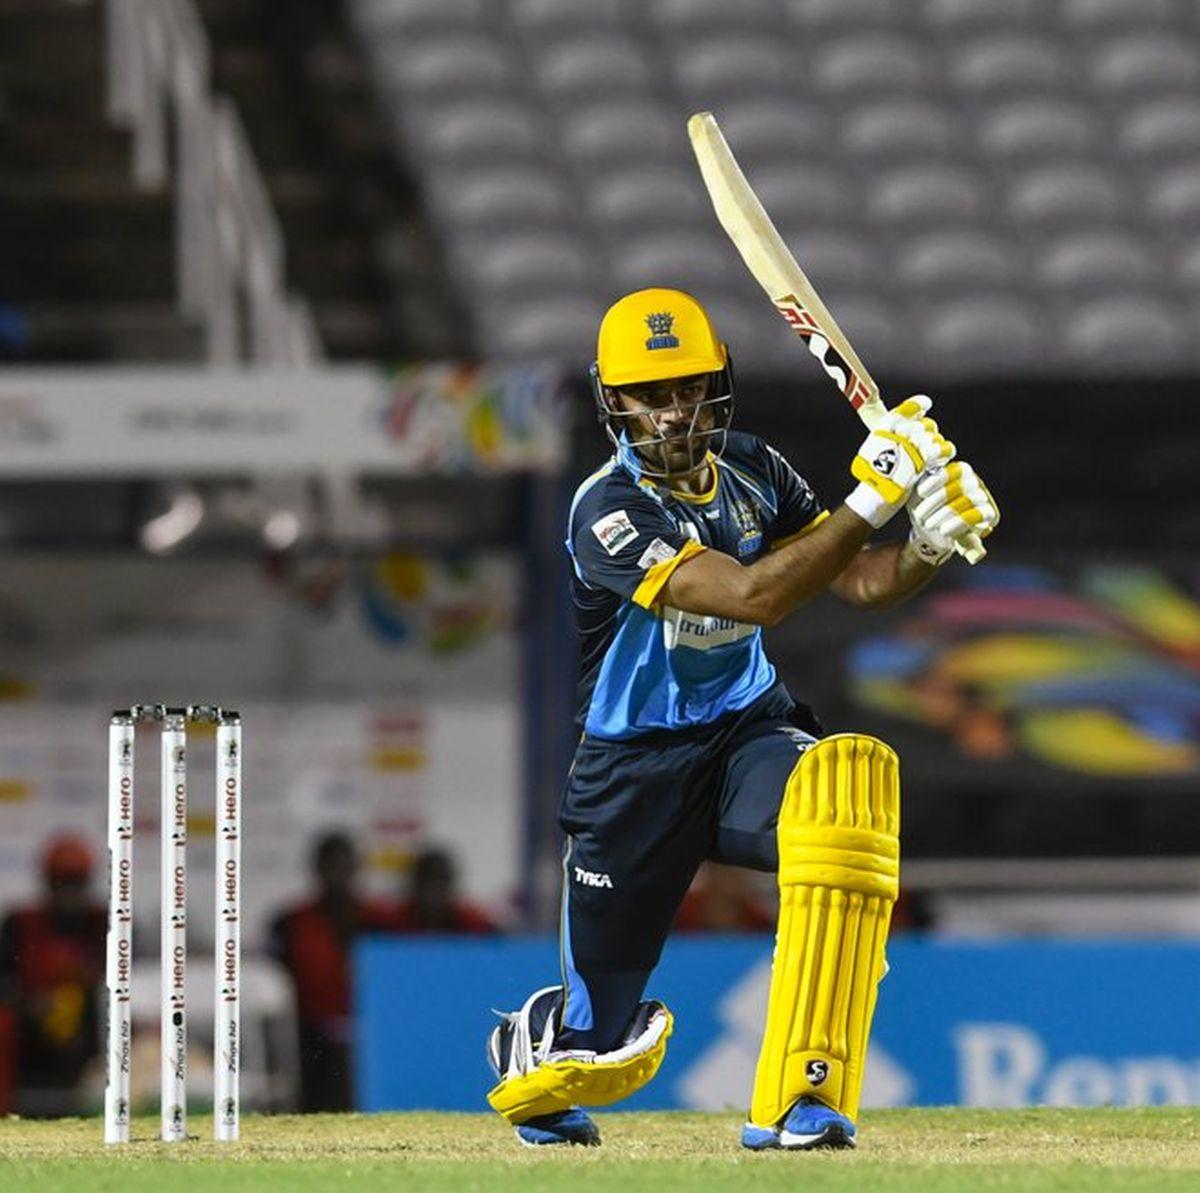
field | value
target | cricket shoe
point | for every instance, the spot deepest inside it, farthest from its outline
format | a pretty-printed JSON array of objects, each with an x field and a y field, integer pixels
[
  {"x": 809, "y": 1124},
  {"x": 567, "y": 1126}
]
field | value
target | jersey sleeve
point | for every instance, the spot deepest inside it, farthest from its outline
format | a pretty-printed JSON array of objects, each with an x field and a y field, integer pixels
[
  {"x": 626, "y": 542},
  {"x": 799, "y": 509}
]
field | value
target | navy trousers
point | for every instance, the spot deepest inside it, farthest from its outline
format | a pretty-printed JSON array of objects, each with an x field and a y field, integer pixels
[{"x": 640, "y": 816}]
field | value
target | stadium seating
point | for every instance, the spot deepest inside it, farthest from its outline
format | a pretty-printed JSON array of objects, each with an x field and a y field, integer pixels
[{"x": 1000, "y": 166}]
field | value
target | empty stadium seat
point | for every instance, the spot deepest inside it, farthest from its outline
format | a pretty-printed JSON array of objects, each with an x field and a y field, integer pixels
[
  {"x": 1185, "y": 264},
  {"x": 997, "y": 331},
  {"x": 1173, "y": 196},
  {"x": 775, "y": 129},
  {"x": 530, "y": 261},
  {"x": 708, "y": 14},
  {"x": 621, "y": 132},
  {"x": 958, "y": 257},
  {"x": 1099, "y": 258},
  {"x": 1044, "y": 127},
  {"x": 870, "y": 62},
  {"x": 796, "y": 191},
  {"x": 1065, "y": 194},
  {"x": 1092, "y": 16},
  {"x": 694, "y": 261},
  {"x": 1164, "y": 128},
  {"x": 600, "y": 65},
  {"x": 836, "y": 258},
  {"x": 929, "y": 195},
  {"x": 380, "y": 17},
  {"x": 1009, "y": 63},
  {"x": 830, "y": 16},
  {"x": 560, "y": 327},
  {"x": 544, "y": 16},
  {"x": 454, "y": 65},
  {"x": 649, "y": 196},
  {"x": 901, "y": 129},
  {"x": 959, "y": 16},
  {"x": 473, "y": 131},
  {"x": 712, "y": 70},
  {"x": 1146, "y": 62},
  {"x": 1124, "y": 334},
  {"x": 506, "y": 195}
]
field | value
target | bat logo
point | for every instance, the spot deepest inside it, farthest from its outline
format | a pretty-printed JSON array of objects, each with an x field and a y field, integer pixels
[{"x": 809, "y": 331}]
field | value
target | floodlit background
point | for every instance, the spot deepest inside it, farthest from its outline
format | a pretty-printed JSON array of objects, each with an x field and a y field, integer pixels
[{"x": 296, "y": 306}]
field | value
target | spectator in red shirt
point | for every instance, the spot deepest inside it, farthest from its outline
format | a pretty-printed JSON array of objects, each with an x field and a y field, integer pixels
[
  {"x": 433, "y": 905},
  {"x": 313, "y": 940},
  {"x": 51, "y": 965}
]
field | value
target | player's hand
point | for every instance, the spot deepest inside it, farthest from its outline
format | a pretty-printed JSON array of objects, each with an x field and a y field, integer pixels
[
  {"x": 893, "y": 456},
  {"x": 945, "y": 506}
]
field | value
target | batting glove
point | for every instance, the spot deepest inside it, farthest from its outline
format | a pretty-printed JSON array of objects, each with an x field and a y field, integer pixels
[
  {"x": 947, "y": 504},
  {"x": 905, "y": 444}
]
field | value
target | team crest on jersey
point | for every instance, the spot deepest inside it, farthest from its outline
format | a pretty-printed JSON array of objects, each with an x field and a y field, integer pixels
[
  {"x": 660, "y": 324},
  {"x": 614, "y": 531},
  {"x": 750, "y": 534}
]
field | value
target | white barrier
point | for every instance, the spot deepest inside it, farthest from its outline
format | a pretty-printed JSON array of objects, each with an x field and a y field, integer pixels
[{"x": 227, "y": 235}]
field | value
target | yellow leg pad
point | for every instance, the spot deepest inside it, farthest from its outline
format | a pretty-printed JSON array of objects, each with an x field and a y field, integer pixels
[
  {"x": 557, "y": 1084},
  {"x": 839, "y": 866}
]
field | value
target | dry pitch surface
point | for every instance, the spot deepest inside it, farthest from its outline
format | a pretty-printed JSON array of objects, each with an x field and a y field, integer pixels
[{"x": 928, "y": 1150}]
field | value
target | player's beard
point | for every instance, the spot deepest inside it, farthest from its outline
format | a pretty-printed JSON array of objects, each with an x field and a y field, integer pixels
[{"x": 681, "y": 452}]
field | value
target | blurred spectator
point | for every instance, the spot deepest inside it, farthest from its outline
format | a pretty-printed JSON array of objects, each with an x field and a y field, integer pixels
[
  {"x": 14, "y": 333},
  {"x": 433, "y": 904},
  {"x": 313, "y": 940},
  {"x": 51, "y": 965},
  {"x": 913, "y": 912},
  {"x": 723, "y": 899}
]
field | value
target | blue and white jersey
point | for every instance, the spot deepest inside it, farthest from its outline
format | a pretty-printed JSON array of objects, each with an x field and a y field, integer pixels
[{"x": 646, "y": 666}]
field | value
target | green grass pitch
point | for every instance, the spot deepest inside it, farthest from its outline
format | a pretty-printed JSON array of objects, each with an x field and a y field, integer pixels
[{"x": 934, "y": 1151}]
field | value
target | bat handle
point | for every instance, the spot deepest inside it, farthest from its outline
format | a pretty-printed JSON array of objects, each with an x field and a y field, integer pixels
[{"x": 971, "y": 548}]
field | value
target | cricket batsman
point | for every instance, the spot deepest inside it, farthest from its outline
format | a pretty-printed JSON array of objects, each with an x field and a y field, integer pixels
[{"x": 688, "y": 541}]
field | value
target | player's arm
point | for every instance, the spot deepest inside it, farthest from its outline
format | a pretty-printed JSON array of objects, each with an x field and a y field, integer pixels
[
  {"x": 887, "y": 466},
  {"x": 945, "y": 505},
  {"x": 767, "y": 590}
]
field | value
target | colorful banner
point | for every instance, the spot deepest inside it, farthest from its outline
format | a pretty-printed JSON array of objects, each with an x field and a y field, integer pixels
[
  {"x": 991, "y": 1024},
  {"x": 344, "y": 419}
]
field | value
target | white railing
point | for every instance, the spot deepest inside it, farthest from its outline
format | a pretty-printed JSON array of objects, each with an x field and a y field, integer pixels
[{"x": 229, "y": 249}]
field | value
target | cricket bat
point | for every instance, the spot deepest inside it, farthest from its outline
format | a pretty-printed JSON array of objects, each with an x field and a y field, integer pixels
[{"x": 771, "y": 262}]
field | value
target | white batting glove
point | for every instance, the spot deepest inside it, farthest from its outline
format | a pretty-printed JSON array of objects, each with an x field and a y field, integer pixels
[
  {"x": 947, "y": 504},
  {"x": 893, "y": 456}
]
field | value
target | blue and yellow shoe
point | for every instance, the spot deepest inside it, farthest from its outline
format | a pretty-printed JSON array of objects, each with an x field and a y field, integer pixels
[
  {"x": 809, "y": 1124},
  {"x": 567, "y": 1126}
]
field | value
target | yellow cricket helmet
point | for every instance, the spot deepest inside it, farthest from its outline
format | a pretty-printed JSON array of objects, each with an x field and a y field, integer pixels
[
  {"x": 655, "y": 334},
  {"x": 658, "y": 335}
]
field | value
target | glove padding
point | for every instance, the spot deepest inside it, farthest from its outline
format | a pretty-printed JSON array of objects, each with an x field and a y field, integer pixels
[
  {"x": 892, "y": 457},
  {"x": 947, "y": 504}
]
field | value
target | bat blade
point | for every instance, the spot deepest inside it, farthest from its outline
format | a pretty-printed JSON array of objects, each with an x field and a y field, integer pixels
[{"x": 770, "y": 261}]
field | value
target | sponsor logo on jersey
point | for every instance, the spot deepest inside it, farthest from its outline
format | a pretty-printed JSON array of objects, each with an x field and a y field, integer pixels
[
  {"x": 658, "y": 552},
  {"x": 614, "y": 531},
  {"x": 701, "y": 632}
]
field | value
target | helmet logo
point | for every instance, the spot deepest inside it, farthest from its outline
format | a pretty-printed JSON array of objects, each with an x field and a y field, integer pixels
[{"x": 660, "y": 323}]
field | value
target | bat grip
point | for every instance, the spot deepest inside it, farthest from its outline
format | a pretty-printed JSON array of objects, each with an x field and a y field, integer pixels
[{"x": 971, "y": 548}]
